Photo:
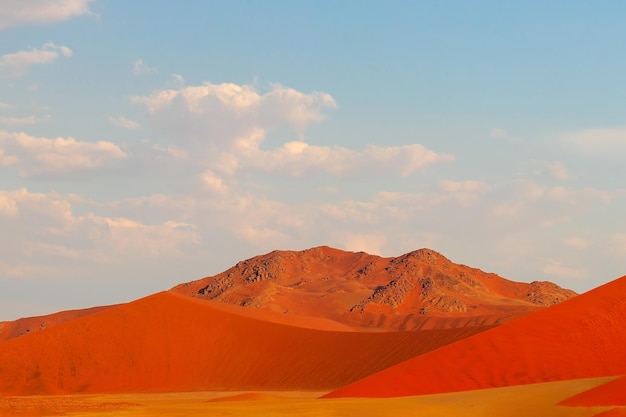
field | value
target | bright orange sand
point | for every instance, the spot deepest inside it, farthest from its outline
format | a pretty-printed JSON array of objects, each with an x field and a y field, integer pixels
[
  {"x": 579, "y": 338},
  {"x": 537, "y": 400},
  {"x": 614, "y": 412},
  {"x": 169, "y": 342},
  {"x": 611, "y": 393}
]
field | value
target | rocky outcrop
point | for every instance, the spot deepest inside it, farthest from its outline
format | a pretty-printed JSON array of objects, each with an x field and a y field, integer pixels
[{"x": 363, "y": 290}]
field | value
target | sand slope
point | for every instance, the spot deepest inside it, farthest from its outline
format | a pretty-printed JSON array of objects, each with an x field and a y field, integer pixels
[
  {"x": 170, "y": 342},
  {"x": 24, "y": 326},
  {"x": 579, "y": 338},
  {"x": 611, "y": 393}
]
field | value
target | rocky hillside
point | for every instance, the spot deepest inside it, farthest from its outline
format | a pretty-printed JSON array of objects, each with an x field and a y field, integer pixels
[{"x": 418, "y": 290}]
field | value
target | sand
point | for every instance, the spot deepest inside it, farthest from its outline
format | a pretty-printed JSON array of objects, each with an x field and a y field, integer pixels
[
  {"x": 169, "y": 342},
  {"x": 538, "y": 400},
  {"x": 579, "y": 338},
  {"x": 611, "y": 393}
]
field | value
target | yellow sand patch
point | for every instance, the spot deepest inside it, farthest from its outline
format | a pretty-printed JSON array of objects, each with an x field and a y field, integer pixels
[{"x": 535, "y": 400}]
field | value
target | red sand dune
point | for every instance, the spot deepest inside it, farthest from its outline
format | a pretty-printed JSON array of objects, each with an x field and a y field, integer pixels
[
  {"x": 579, "y": 338},
  {"x": 419, "y": 290},
  {"x": 169, "y": 342},
  {"x": 611, "y": 393},
  {"x": 24, "y": 326}
]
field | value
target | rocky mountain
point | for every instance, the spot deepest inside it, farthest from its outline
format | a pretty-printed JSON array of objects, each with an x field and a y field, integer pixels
[{"x": 418, "y": 290}]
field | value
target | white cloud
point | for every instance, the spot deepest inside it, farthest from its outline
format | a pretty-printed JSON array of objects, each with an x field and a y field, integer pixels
[
  {"x": 124, "y": 123},
  {"x": 557, "y": 171},
  {"x": 6, "y": 106},
  {"x": 46, "y": 232},
  {"x": 224, "y": 125},
  {"x": 219, "y": 114},
  {"x": 556, "y": 269},
  {"x": 40, "y": 155},
  {"x": 139, "y": 68},
  {"x": 499, "y": 133},
  {"x": 597, "y": 142},
  {"x": 178, "y": 80},
  {"x": 466, "y": 193},
  {"x": 577, "y": 242},
  {"x": 20, "y": 121},
  {"x": 463, "y": 186},
  {"x": 16, "y": 64},
  {"x": 298, "y": 158},
  {"x": 214, "y": 182},
  {"x": 14, "y": 13},
  {"x": 366, "y": 242}
]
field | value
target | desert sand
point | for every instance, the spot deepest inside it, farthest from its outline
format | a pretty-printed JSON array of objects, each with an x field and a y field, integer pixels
[
  {"x": 579, "y": 338},
  {"x": 24, "y": 326},
  {"x": 371, "y": 336},
  {"x": 169, "y": 342},
  {"x": 611, "y": 393},
  {"x": 536, "y": 400}
]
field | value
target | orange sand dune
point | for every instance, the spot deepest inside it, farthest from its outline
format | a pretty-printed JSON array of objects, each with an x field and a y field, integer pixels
[
  {"x": 579, "y": 338},
  {"x": 168, "y": 342},
  {"x": 24, "y": 326},
  {"x": 611, "y": 393},
  {"x": 418, "y": 290},
  {"x": 615, "y": 412}
]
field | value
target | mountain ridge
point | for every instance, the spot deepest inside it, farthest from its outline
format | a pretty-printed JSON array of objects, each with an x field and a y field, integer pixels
[{"x": 420, "y": 289}]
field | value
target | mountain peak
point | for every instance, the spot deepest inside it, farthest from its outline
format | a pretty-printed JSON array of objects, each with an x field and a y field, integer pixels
[{"x": 420, "y": 289}]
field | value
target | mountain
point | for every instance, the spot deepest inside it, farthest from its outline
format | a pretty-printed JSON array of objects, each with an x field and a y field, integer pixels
[
  {"x": 582, "y": 337},
  {"x": 418, "y": 290}
]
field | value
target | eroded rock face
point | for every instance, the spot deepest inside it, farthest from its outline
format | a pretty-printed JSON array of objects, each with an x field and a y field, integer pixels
[
  {"x": 545, "y": 293},
  {"x": 420, "y": 288}
]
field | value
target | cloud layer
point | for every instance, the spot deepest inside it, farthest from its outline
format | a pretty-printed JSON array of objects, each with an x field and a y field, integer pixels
[
  {"x": 18, "y": 63},
  {"x": 14, "y": 13},
  {"x": 60, "y": 156},
  {"x": 226, "y": 124}
]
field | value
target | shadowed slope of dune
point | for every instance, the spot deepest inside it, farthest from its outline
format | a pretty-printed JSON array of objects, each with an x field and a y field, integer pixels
[
  {"x": 579, "y": 338},
  {"x": 169, "y": 342},
  {"x": 611, "y": 393},
  {"x": 419, "y": 290},
  {"x": 28, "y": 325}
]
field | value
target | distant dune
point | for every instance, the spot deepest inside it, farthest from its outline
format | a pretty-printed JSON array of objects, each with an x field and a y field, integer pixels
[
  {"x": 579, "y": 338},
  {"x": 419, "y": 290},
  {"x": 169, "y": 342}
]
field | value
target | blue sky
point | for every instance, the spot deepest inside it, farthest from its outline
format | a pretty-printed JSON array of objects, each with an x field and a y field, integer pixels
[{"x": 143, "y": 144}]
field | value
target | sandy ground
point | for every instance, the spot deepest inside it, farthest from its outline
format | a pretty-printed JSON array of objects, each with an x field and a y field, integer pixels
[{"x": 529, "y": 401}]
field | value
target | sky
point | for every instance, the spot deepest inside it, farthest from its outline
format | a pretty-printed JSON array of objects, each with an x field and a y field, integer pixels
[{"x": 148, "y": 143}]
